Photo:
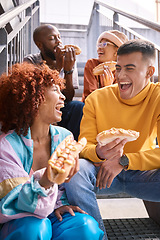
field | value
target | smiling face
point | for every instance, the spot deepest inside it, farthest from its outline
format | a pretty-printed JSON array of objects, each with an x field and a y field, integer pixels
[
  {"x": 107, "y": 51},
  {"x": 49, "y": 110},
  {"x": 132, "y": 74}
]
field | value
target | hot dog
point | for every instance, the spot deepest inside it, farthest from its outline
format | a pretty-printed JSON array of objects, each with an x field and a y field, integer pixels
[
  {"x": 63, "y": 159},
  {"x": 98, "y": 70},
  {"x": 107, "y": 136},
  {"x": 76, "y": 48}
]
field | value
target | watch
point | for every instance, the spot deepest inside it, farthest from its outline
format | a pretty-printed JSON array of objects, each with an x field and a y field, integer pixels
[
  {"x": 124, "y": 161},
  {"x": 68, "y": 72}
]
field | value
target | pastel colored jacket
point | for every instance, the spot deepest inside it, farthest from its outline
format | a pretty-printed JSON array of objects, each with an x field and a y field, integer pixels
[
  {"x": 104, "y": 109},
  {"x": 20, "y": 194}
]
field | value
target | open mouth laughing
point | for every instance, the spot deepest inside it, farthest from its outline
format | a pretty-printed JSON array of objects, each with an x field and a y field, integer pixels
[
  {"x": 59, "y": 106},
  {"x": 124, "y": 85}
]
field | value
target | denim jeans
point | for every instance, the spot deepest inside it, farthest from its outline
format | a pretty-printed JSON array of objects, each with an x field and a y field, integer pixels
[
  {"x": 71, "y": 117},
  {"x": 82, "y": 190}
]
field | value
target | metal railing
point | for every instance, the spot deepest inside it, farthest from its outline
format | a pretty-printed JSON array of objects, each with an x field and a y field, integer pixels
[
  {"x": 17, "y": 42},
  {"x": 99, "y": 22}
]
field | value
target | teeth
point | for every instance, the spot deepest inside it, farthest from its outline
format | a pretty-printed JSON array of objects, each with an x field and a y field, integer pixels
[
  {"x": 123, "y": 83},
  {"x": 60, "y": 106}
]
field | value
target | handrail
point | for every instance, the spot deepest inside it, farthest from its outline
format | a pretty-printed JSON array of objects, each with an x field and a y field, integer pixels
[
  {"x": 100, "y": 21},
  {"x": 12, "y": 13},
  {"x": 131, "y": 31},
  {"x": 138, "y": 19},
  {"x": 17, "y": 43}
]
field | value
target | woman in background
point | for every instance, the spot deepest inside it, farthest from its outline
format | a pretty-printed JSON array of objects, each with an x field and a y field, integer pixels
[{"x": 107, "y": 45}]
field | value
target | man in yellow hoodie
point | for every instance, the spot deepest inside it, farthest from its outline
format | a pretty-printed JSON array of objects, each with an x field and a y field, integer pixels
[{"x": 121, "y": 166}]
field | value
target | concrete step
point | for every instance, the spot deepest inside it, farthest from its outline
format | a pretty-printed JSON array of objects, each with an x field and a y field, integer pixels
[
  {"x": 79, "y": 91},
  {"x": 81, "y": 80}
]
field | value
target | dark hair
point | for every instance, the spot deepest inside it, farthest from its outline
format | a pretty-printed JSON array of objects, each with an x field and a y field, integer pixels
[
  {"x": 21, "y": 91},
  {"x": 138, "y": 45}
]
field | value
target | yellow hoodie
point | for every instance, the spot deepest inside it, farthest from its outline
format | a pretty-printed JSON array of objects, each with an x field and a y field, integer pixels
[{"x": 104, "y": 109}]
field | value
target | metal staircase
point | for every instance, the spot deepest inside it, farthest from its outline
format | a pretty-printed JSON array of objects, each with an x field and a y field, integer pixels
[{"x": 18, "y": 19}]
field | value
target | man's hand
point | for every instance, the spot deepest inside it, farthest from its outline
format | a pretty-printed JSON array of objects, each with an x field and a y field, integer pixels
[
  {"x": 110, "y": 168},
  {"x": 69, "y": 58},
  {"x": 63, "y": 209},
  {"x": 108, "y": 171},
  {"x": 59, "y": 55}
]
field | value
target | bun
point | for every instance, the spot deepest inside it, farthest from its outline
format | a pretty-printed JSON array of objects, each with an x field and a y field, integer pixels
[
  {"x": 109, "y": 135},
  {"x": 98, "y": 70},
  {"x": 76, "y": 48},
  {"x": 63, "y": 159}
]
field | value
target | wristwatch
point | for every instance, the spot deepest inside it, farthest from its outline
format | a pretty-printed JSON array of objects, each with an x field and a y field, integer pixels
[
  {"x": 124, "y": 162},
  {"x": 68, "y": 72}
]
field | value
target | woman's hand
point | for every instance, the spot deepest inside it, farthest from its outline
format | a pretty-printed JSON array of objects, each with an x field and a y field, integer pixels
[
  {"x": 73, "y": 170},
  {"x": 71, "y": 209},
  {"x": 108, "y": 76}
]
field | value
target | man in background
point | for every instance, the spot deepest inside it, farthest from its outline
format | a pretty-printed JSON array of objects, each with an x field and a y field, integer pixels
[{"x": 47, "y": 38}]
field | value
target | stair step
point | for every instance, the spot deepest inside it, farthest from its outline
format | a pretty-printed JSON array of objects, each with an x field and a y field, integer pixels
[
  {"x": 81, "y": 80},
  {"x": 79, "y": 91}
]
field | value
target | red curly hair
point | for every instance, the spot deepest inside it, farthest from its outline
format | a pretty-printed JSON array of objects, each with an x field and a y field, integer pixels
[{"x": 20, "y": 92}]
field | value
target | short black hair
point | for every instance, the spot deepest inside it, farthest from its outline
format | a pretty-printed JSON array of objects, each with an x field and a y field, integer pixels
[{"x": 138, "y": 45}]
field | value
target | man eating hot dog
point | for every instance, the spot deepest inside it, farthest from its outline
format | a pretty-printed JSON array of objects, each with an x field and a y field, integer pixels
[{"x": 47, "y": 38}]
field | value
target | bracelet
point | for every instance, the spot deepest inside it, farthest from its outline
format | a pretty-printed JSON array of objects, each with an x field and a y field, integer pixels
[{"x": 68, "y": 72}]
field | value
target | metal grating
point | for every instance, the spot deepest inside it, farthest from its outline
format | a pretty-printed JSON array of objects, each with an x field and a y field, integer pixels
[{"x": 137, "y": 228}]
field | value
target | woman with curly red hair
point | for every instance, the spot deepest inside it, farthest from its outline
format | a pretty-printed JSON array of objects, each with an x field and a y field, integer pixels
[{"x": 31, "y": 207}]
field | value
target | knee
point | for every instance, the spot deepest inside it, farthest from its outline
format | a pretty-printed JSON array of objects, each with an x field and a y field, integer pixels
[
  {"x": 81, "y": 226},
  {"x": 89, "y": 228},
  {"x": 39, "y": 229},
  {"x": 28, "y": 228},
  {"x": 86, "y": 167},
  {"x": 87, "y": 172},
  {"x": 77, "y": 106}
]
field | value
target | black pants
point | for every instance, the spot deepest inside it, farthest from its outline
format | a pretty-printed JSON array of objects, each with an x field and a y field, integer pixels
[{"x": 71, "y": 117}]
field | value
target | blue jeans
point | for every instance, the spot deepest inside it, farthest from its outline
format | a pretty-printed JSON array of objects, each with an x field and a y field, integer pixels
[
  {"x": 82, "y": 190},
  {"x": 78, "y": 227},
  {"x": 71, "y": 117}
]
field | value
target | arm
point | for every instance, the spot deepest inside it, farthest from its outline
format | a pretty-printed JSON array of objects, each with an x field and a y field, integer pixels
[
  {"x": 66, "y": 61},
  {"x": 96, "y": 153},
  {"x": 110, "y": 168},
  {"x": 145, "y": 160},
  {"x": 89, "y": 131},
  {"x": 69, "y": 90},
  {"x": 21, "y": 195},
  {"x": 90, "y": 81}
]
